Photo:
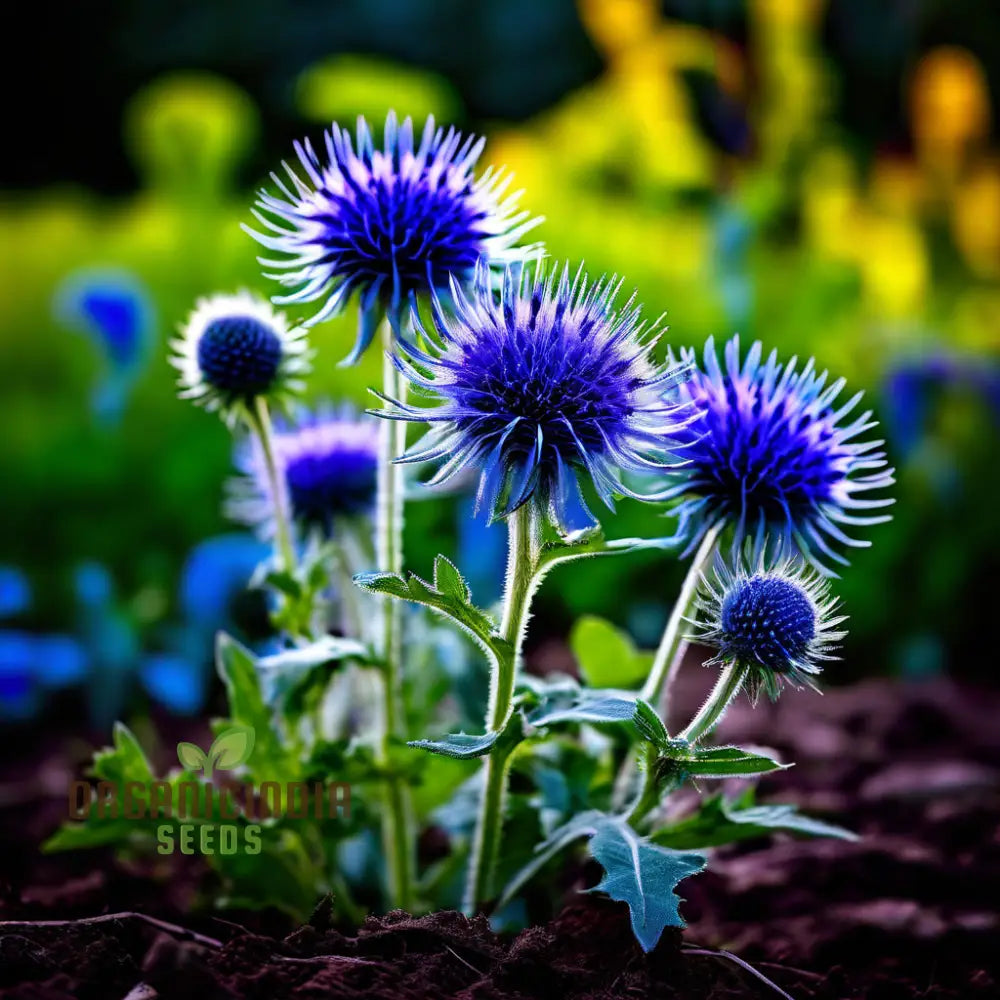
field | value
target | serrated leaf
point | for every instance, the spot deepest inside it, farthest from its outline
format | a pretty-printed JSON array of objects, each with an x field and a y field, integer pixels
[
  {"x": 605, "y": 708},
  {"x": 125, "y": 761},
  {"x": 232, "y": 748},
  {"x": 719, "y": 820},
  {"x": 606, "y": 655},
  {"x": 466, "y": 615},
  {"x": 461, "y": 746},
  {"x": 191, "y": 756},
  {"x": 718, "y": 762},
  {"x": 448, "y": 580},
  {"x": 642, "y": 875}
]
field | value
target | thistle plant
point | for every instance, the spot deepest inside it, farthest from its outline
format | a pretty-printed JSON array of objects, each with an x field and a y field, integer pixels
[{"x": 545, "y": 391}]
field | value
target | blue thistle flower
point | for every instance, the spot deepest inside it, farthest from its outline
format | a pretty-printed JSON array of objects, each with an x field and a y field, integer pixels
[
  {"x": 329, "y": 465},
  {"x": 772, "y": 453},
  {"x": 388, "y": 223},
  {"x": 538, "y": 384},
  {"x": 774, "y": 619},
  {"x": 235, "y": 348}
]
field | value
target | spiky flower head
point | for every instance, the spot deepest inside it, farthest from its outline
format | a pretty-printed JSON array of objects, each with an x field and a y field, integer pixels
[
  {"x": 775, "y": 451},
  {"x": 328, "y": 464},
  {"x": 774, "y": 616},
  {"x": 388, "y": 223},
  {"x": 537, "y": 384},
  {"x": 234, "y": 349}
]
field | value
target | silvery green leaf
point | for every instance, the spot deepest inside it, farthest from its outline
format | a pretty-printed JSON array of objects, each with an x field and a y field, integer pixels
[
  {"x": 643, "y": 875},
  {"x": 604, "y": 707},
  {"x": 718, "y": 762},
  {"x": 720, "y": 820},
  {"x": 462, "y": 746}
]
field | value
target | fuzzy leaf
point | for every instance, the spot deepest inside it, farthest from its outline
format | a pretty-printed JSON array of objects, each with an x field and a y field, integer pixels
[
  {"x": 444, "y": 601},
  {"x": 724, "y": 821},
  {"x": 461, "y": 746},
  {"x": 448, "y": 581},
  {"x": 282, "y": 675},
  {"x": 643, "y": 875},
  {"x": 718, "y": 762},
  {"x": 605, "y": 708},
  {"x": 581, "y": 545},
  {"x": 606, "y": 655},
  {"x": 123, "y": 762}
]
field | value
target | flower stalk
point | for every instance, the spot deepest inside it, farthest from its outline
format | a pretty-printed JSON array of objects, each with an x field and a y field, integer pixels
[
  {"x": 398, "y": 837},
  {"x": 260, "y": 421},
  {"x": 521, "y": 582}
]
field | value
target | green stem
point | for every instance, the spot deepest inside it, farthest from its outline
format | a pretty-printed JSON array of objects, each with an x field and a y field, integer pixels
[
  {"x": 654, "y": 788},
  {"x": 670, "y": 652},
  {"x": 667, "y": 660},
  {"x": 398, "y": 838},
  {"x": 522, "y": 561},
  {"x": 260, "y": 420},
  {"x": 726, "y": 688}
]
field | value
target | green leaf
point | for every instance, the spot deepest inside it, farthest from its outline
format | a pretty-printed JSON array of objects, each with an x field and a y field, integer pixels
[
  {"x": 191, "y": 756},
  {"x": 123, "y": 762},
  {"x": 719, "y": 820},
  {"x": 717, "y": 762},
  {"x": 643, "y": 875},
  {"x": 284, "y": 675},
  {"x": 273, "y": 761},
  {"x": 461, "y": 746},
  {"x": 597, "y": 708},
  {"x": 448, "y": 581},
  {"x": 606, "y": 655},
  {"x": 232, "y": 748},
  {"x": 452, "y": 601},
  {"x": 284, "y": 582},
  {"x": 582, "y": 545}
]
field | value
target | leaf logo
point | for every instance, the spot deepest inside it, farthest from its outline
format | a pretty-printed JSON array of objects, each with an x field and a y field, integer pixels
[{"x": 230, "y": 748}]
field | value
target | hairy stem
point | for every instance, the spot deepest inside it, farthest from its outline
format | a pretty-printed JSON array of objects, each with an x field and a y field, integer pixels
[
  {"x": 668, "y": 658},
  {"x": 398, "y": 838},
  {"x": 260, "y": 420},
  {"x": 522, "y": 560},
  {"x": 727, "y": 687},
  {"x": 670, "y": 652}
]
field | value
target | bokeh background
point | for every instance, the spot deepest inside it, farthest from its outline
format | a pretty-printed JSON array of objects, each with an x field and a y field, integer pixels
[{"x": 821, "y": 174}]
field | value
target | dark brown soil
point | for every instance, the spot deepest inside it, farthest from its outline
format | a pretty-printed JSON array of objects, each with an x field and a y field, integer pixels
[{"x": 908, "y": 912}]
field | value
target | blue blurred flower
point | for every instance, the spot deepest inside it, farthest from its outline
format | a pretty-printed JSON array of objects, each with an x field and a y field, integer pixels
[
  {"x": 19, "y": 692},
  {"x": 15, "y": 591},
  {"x": 388, "y": 223},
  {"x": 538, "y": 385},
  {"x": 236, "y": 348},
  {"x": 329, "y": 464},
  {"x": 174, "y": 681},
  {"x": 772, "y": 453},
  {"x": 216, "y": 572},
  {"x": 114, "y": 309},
  {"x": 912, "y": 387},
  {"x": 773, "y": 617}
]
